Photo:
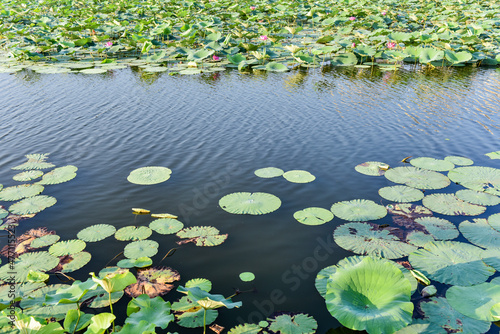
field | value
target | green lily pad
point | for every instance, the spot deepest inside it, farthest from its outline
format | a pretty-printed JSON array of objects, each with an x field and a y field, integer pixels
[
  {"x": 440, "y": 229},
  {"x": 201, "y": 283},
  {"x": 33, "y": 204},
  {"x": 313, "y": 216},
  {"x": 358, "y": 210},
  {"x": 483, "y": 179},
  {"x": 35, "y": 161},
  {"x": 368, "y": 239},
  {"x": 247, "y": 276},
  {"x": 474, "y": 301},
  {"x": 245, "y": 329},
  {"x": 299, "y": 176},
  {"x": 166, "y": 226},
  {"x": 102, "y": 298},
  {"x": 293, "y": 324},
  {"x": 44, "y": 241},
  {"x": 418, "y": 238},
  {"x": 401, "y": 194},
  {"x": 18, "y": 192},
  {"x": 3, "y": 213},
  {"x": 432, "y": 164},
  {"x": 149, "y": 175},
  {"x": 36, "y": 261},
  {"x": 153, "y": 282},
  {"x": 140, "y": 262},
  {"x": 32, "y": 306},
  {"x": 451, "y": 262},
  {"x": 276, "y": 67},
  {"x": 417, "y": 178},
  {"x": 250, "y": 203},
  {"x": 449, "y": 204},
  {"x": 269, "y": 172},
  {"x": 196, "y": 318},
  {"x": 153, "y": 310},
  {"x": 476, "y": 197},
  {"x": 201, "y": 236},
  {"x": 59, "y": 175},
  {"x": 28, "y": 175},
  {"x": 141, "y": 248},
  {"x": 96, "y": 232},
  {"x": 491, "y": 257},
  {"x": 493, "y": 155},
  {"x": 459, "y": 161},
  {"x": 68, "y": 247},
  {"x": 75, "y": 262},
  {"x": 494, "y": 221},
  {"x": 421, "y": 328},
  {"x": 480, "y": 233},
  {"x": 372, "y": 168},
  {"x": 132, "y": 233}
]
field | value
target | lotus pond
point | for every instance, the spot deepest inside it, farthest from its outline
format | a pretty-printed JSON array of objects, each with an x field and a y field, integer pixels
[{"x": 169, "y": 178}]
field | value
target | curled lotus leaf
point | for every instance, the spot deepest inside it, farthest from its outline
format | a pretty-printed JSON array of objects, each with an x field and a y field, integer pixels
[
  {"x": 15, "y": 193},
  {"x": 149, "y": 175},
  {"x": 432, "y": 164},
  {"x": 28, "y": 175},
  {"x": 166, "y": 225},
  {"x": 140, "y": 262},
  {"x": 201, "y": 236},
  {"x": 494, "y": 221},
  {"x": 299, "y": 176},
  {"x": 191, "y": 315},
  {"x": 35, "y": 161},
  {"x": 439, "y": 228},
  {"x": 141, "y": 248},
  {"x": 293, "y": 324},
  {"x": 478, "y": 198},
  {"x": 440, "y": 313},
  {"x": 201, "y": 283},
  {"x": 36, "y": 261},
  {"x": 401, "y": 194},
  {"x": 358, "y": 210},
  {"x": 269, "y": 172},
  {"x": 491, "y": 257},
  {"x": 96, "y": 232},
  {"x": 133, "y": 233},
  {"x": 417, "y": 177},
  {"x": 449, "y": 204},
  {"x": 59, "y": 175},
  {"x": 22, "y": 244},
  {"x": 480, "y": 233},
  {"x": 474, "y": 301},
  {"x": 451, "y": 262},
  {"x": 368, "y": 239},
  {"x": 153, "y": 282},
  {"x": 68, "y": 247},
  {"x": 70, "y": 263},
  {"x": 250, "y": 203},
  {"x": 419, "y": 238},
  {"x": 459, "y": 161},
  {"x": 371, "y": 295},
  {"x": 483, "y": 179},
  {"x": 44, "y": 241},
  {"x": 313, "y": 216},
  {"x": 372, "y": 168},
  {"x": 31, "y": 205}
]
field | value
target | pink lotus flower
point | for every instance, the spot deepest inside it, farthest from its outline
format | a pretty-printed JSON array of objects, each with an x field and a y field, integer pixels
[
  {"x": 353, "y": 45},
  {"x": 109, "y": 44},
  {"x": 391, "y": 45},
  {"x": 383, "y": 12},
  {"x": 352, "y": 18},
  {"x": 252, "y": 7},
  {"x": 263, "y": 38},
  {"x": 216, "y": 58}
]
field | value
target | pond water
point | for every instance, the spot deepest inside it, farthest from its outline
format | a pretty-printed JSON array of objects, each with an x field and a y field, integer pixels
[{"x": 213, "y": 132}]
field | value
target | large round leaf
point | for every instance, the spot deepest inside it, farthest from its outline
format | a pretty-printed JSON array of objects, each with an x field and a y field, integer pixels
[
  {"x": 401, "y": 194},
  {"x": 35, "y": 161},
  {"x": 449, "y": 204},
  {"x": 27, "y": 175},
  {"x": 417, "y": 178},
  {"x": 59, "y": 175},
  {"x": 494, "y": 221},
  {"x": 33, "y": 204},
  {"x": 36, "y": 261},
  {"x": 432, "y": 164},
  {"x": 372, "y": 168},
  {"x": 371, "y": 295},
  {"x": 313, "y": 216},
  {"x": 491, "y": 257},
  {"x": 299, "y": 176},
  {"x": 141, "y": 248},
  {"x": 96, "y": 232},
  {"x": 132, "y": 233},
  {"x": 293, "y": 324},
  {"x": 269, "y": 172},
  {"x": 475, "y": 301},
  {"x": 477, "y": 178},
  {"x": 44, "y": 241},
  {"x": 75, "y": 262},
  {"x": 250, "y": 203},
  {"x": 419, "y": 238},
  {"x": 480, "y": 233},
  {"x": 18, "y": 192},
  {"x": 33, "y": 306},
  {"x": 368, "y": 239},
  {"x": 68, "y": 247},
  {"x": 441, "y": 229},
  {"x": 358, "y": 210},
  {"x": 166, "y": 226},
  {"x": 149, "y": 175},
  {"x": 459, "y": 161},
  {"x": 451, "y": 262},
  {"x": 476, "y": 197}
]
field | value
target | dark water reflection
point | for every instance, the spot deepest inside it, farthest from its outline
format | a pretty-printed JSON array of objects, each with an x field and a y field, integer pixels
[{"x": 213, "y": 131}]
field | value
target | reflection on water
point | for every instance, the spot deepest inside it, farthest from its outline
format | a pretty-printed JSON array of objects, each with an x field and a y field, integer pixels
[{"x": 213, "y": 130}]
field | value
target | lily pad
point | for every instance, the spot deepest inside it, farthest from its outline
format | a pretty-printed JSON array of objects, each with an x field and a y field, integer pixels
[
  {"x": 201, "y": 236},
  {"x": 36, "y": 261},
  {"x": 368, "y": 239},
  {"x": 476, "y": 197},
  {"x": 432, "y": 164},
  {"x": 33, "y": 204},
  {"x": 45, "y": 241},
  {"x": 28, "y": 175},
  {"x": 418, "y": 238},
  {"x": 18, "y": 192},
  {"x": 75, "y": 261},
  {"x": 250, "y": 203},
  {"x": 401, "y": 194},
  {"x": 153, "y": 282},
  {"x": 3, "y": 213},
  {"x": 494, "y": 221},
  {"x": 59, "y": 175},
  {"x": 451, "y": 262},
  {"x": 459, "y": 161},
  {"x": 372, "y": 168},
  {"x": 475, "y": 301},
  {"x": 166, "y": 226},
  {"x": 32, "y": 306},
  {"x": 149, "y": 175},
  {"x": 417, "y": 178},
  {"x": 480, "y": 233},
  {"x": 35, "y": 161},
  {"x": 68, "y": 247},
  {"x": 141, "y": 248},
  {"x": 491, "y": 257},
  {"x": 269, "y": 172},
  {"x": 493, "y": 155},
  {"x": 313, "y": 216},
  {"x": 201, "y": 283},
  {"x": 195, "y": 317},
  {"x": 421, "y": 328},
  {"x": 299, "y": 176},
  {"x": 358, "y": 210},
  {"x": 245, "y": 329},
  {"x": 483, "y": 179},
  {"x": 247, "y": 276},
  {"x": 293, "y": 324},
  {"x": 440, "y": 229},
  {"x": 449, "y": 204},
  {"x": 96, "y": 232},
  {"x": 140, "y": 262},
  {"x": 132, "y": 233}
]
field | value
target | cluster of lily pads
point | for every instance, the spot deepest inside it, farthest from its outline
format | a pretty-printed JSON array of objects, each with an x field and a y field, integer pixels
[{"x": 188, "y": 37}]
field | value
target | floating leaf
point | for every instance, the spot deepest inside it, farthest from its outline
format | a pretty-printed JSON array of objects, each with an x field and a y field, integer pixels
[
  {"x": 68, "y": 247},
  {"x": 459, "y": 161},
  {"x": 293, "y": 324},
  {"x": 483, "y": 179},
  {"x": 149, "y": 175},
  {"x": 166, "y": 226},
  {"x": 373, "y": 168},
  {"x": 474, "y": 301},
  {"x": 37, "y": 261},
  {"x": 417, "y": 177},
  {"x": 247, "y": 276},
  {"x": 59, "y": 175},
  {"x": 441, "y": 229},
  {"x": 428, "y": 291},
  {"x": 245, "y": 329},
  {"x": 313, "y": 216},
  {"x": 163, "y": 215},
  {"x": 3, "y": 213},
  {"x": 420, "y": 327},
  {"x": 153, "y": 282},
  {"x": 18, "y": 192},
  {"x": 494, "y": 221},
  {"x": 449, "y": 204},
  {"x": 35, "y": 161},
  {"x": 27, "y": 175},
  {"x": 96, "y": 232},
  {"x": 132, "y": 233},
  {"x": 37, "y": 277},
  {"x": 269, "y": 172},
  {"x": 202, "y": 283},
  {"x": 418, "y": 238},
  {"x": 432, "y": 164},
  {"x": 491, "y": 257},
  {"x": 493, "y": 155},
  {"x": 141, "y": 248},
  {"x": 476, "y": 197},
  {"x": 140, "y": 262},
  {"x": 276, "y": 67},
  {"x": 140, "y": 211},
  {"x": 32, "y": 306},
  {"x": 33, "y": 204},
  {"x": 299, "y": 176},
  {"x": 480, "y": 233},
  {"x": 74, "y": 262},
  {"x": 358, "y": 210},
  {"x": 201, "y": 236},
  {"x": 154, "y": 310},
  {"x": 401, "y": 194},
  {"x": 250, "y": 203},
  {"x": 44, "y": 241}
]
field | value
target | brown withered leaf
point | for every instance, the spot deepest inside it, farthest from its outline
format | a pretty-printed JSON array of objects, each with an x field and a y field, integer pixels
[
  {"x": 216, "y": 328},
  {"x": 22, "y": 244},
  {"x": 153, "y": 281}
]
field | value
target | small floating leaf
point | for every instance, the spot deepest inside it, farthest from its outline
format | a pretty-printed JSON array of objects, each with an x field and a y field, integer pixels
[
  {"x": 96, "y": 232},
  {"x": 480, "y": 233},
  {"x": 293, "y": 324},
  {"x": 483, "y": 179},
  {"x": 459, "y": 161},
  {"x": 149, "y": 175},
  {"x": 33, "y": 204},
  {"x": 37, "y": 261},
  {"x": 478, "y": 198},
  {"x": 493, "y": 155},
  {"x": 140, "y": 262},
  {"x": 44, "y": 241},
  {"x": 449, "y": 204},
  {"x": 428, "y": 291},
  {"x": 475, "y": 301},
  {"x": 247, "y": 276},
  {"x": 202, "y": 236},
  {"x": 299, "y": 176},
  {"x": 417, "y": 177},
  {"x": 141, "y": 248},
  {"x": 27, "y": 175},
  {"x": 140, "y": 211},
  {"x": 132, "y": 233},
  {"x": 201, "y": 283},
  {"x": 68, "y": 247},
  {"x": 494, "y": 221},
  {"x": 75, "y": 261},
  {"x": 245, "y": 329},
  {"x": 401, "y": 194},
  {"x": 432, "y": 164},
  {"x": 418, "y": 238},
  {"x": 313, "y": 216},
  {"x": 35, "y": 161},
  {"x": 250, "y": 203},
  {"x": 372, "y": 168},
  {"x": 18, "y": 192},
  {"x": 358, "y": 210},
  {"x": 166, "y": 226},
  {"x": 269, "y": 172},
  {"x": 440, "y": 229},
  {"x": 59, "y": 175}
]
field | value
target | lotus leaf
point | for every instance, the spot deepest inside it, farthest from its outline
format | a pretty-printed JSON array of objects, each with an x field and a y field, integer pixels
[
  {"x": 439, "y": 312},
  {"x": 245, "y": 329},
  {"x": 153, "y": 282},
  {"x": 247, "y": 276},
  {"x": 202, "y": 283},
  {"x": 449, "y": 204},
  {"x": 372, "y": 295},
  {"x": 33, "y": 204},
  {"x": 37, "y": 261},
  {"x": 299, "y": 176},
  {"x": 451, "y": 262},
  {"x": 474, "y": 301},
  {"x": 491, "y": 257},
  {"x": 32, "y": 306},
  {"x": 418, "y": 238},
  {"x": 250, "y": 203},
  {"x": 373, "y": 168},
  {"x": 417, "y": 178},
  {"x": 421, "y": 328},
  {"x": 35, "y": 161},
  {"x": 202, "y": 236},
  {"x": 358, "y": 210},
  {"x": 401, "y": 194},
  {"x": 27, "y": 175},
  {"x": 96, "y": 232},
  {"x": 494, "y": 221},
  {"x": 429, "y": 291},
  {"x": 276, "y": 67},
  {"x": 22, "y": 243},
  {"x": 139, "y": 211},
  {"x": 59, "y": 175},
  {"x": 22, "y": 291},
  {"x": 410, "y": 211},
  {"x": 163, "y": 215},
  {"x": 432, "y": 164},
  {"x": 293, "y": 324},
  {"x": 313, "y": 216},
  {"x": 269, "y": 172},
  {"x": 154, "y": 310},
  {"x": 149, "y": 175},
  {"x": 102, "y": 298},
  {"x": 142, "y": 327},
  {"x": 140, "y": 262},
  {"x": 196, "y": 318},
  {"x": 440, "y": 229},
  {"x": 68, "y": 247},
  {"x": 166, "y": 226},
  {"x": 493, "y": 155},
  {"x": 18, "y": 192},
  {"x": 480, "y": 233},
  {"x": 133, "y": 233},
  {"x": 368, "y": 239},
  {"x": 70, "y": 263},
  {"x": 3, "y": 213},
  {"x": 476, "y": 197},
  {"x": 483, "y": 179},
  {"x": 141, "y": 248},
  {"x": 459, "y": 161}
]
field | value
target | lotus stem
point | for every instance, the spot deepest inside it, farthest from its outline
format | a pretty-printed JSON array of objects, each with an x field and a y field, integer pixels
[
  {"x": 111, "y": 309},
  {"x": 204, "y": 320},
  {"x": 77, "y": 319}
]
